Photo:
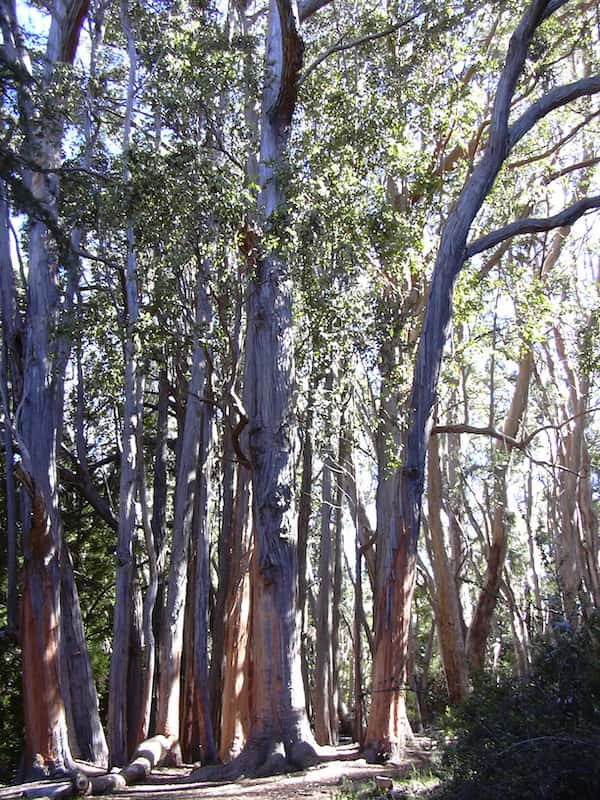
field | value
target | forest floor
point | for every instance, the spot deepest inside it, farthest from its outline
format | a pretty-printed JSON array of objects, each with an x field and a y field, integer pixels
[{"x": 341, "y": 772}]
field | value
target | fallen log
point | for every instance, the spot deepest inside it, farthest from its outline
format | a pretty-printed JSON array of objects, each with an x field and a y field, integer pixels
[
  {"x": 148, "y": 755},
  {"x": 52, "y": 789}
]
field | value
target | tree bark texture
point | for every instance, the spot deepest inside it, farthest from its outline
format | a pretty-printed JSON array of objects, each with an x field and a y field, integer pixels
[
  {"x": 39, "y": 432},
  {"x": 279, "y": 732},
  {"x": 448, "y": 613}
]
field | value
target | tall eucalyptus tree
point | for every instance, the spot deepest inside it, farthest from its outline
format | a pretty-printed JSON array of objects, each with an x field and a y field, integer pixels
[
  {"x": 51, "y": 666},
  {"x": 386, "y": 728}
]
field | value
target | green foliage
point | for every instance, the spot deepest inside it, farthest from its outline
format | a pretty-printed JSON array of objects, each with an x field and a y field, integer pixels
[
  {"x": 537, "y": 738},
  {"x": 589, "y": 337},
  {"x": 416, "y": 783},
  {"x": 11, "y": 709}
]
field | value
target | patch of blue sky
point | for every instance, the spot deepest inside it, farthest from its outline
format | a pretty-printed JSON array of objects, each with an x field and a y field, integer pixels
[{"x": 34, "y": 21}]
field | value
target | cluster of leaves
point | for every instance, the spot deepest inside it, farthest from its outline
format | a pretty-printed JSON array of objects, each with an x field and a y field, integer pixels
[{"x": 537, "y": 738}]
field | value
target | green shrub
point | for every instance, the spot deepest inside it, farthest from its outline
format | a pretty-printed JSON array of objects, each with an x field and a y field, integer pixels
[
  {"x": 538, "y": 738},
  {"x": 11, "y": 710}
]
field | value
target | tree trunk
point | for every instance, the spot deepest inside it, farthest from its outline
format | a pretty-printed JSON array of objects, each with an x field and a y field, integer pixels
[
  {"x": 347, "y": 480},
  {"x": 203, "y": 720},
  {"x": 387, "y": 448},
  {"x": 279, "y": 733},
  {"x": 227, "y": 534},
  {"x": 336, "y": 614},
  {"x": 119, "y": 668},
  {"x": 304, "y": 514},
  {"x": 159, "y": 531},
  {"x": 448, "y": 616},
  {"x": 167, "y": 722},
  {"x": 135, "y": 665},
  {"x": 482, "y": 618},
  {"x": 589, "y": 525},
  {"x": 11, "y": 367},
  {"x": 324, "y": 707},
  {"x": 235, "y": 715},
  {"x": 79, "y": 687},
  {"x": 46, "y": 739}
]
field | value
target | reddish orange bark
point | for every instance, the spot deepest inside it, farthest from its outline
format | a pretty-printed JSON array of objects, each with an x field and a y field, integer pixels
[
  {"x": 46, "y": 742},
  {"x": 388, "y": 728},
  {"x": 235, "y": 714}
]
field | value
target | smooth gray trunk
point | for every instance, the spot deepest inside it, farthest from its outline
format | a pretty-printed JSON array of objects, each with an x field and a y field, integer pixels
[
  {"x": 448, "y": 613},
  {"x": 185, "y": 491},
  {"x": 119, "y": 670},
  {"x": 325, "y": 714}
]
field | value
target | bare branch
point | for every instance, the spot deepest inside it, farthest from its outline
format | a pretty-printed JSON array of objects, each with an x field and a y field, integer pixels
[
  {"x": 556, "y": 146},
  {"x": 560, "y": 173},
  {"x": 341, "y": 45},
  {"x": 555, "y": 98},
  {"x": 309, "y": 7},
  {"x": 509, "y": 441},
  {"x": 533, "y": 225},
  {"x": 556, "y": 427}
]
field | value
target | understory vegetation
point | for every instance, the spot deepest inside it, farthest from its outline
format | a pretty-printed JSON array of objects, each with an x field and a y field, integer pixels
[{"x": 532, "y": 738}]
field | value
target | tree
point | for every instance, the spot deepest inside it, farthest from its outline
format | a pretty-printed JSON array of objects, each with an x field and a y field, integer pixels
[
  {"x": 49, "y": 641},
  {"x": 278, "y": 719},
  {"x": 385, "y": 731}
]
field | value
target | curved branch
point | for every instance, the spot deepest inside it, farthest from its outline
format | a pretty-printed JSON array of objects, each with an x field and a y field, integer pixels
[
  {"x": 560, "y": 173},
  {"x": 555, "y": 98},
  {"x": 340, "y": 46},
  {"x": 309, "y": 7},
  {"x": 519, "y": 227},
  {"x": 509, "y": 441}
]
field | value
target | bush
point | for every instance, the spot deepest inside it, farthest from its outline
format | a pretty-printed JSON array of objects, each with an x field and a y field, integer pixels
[
  {"x": 538, "y": 738},
  {"x": 11, "y": 710}
]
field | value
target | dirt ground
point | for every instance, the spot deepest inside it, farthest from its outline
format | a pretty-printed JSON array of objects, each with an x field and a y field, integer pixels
[{"x": 339, "y": 767}]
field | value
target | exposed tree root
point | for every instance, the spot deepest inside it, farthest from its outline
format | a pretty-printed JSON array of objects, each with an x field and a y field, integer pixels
[
  {"x": 260, "y": 759},
  {"x": 148, "y": 755},
  {"x": 35, "y": 789},
  {"x": 387, "y": 751}
]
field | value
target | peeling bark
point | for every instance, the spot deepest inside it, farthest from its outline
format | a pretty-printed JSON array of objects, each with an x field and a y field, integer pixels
[
  {"x": 279, "y": 735},
  {"x": 39, "y": 428}
]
